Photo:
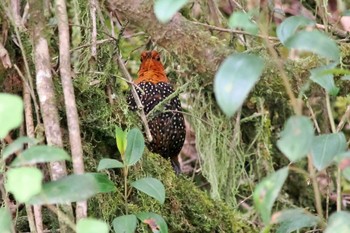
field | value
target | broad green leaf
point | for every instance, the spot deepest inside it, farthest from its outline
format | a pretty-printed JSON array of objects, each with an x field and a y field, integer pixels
[
  {"x": 5, "y": 221},
  {"x": 135, "y": 147},
  {"x": 242, "y": 20},
  {"x": 166, "y": 9},
  {"x": 125, "y": 224},
  {"x": 24, "y": 182},
  {"x": 154, "y": 221},
  {"x": 325, "y": 147},
  {"x": 17, "y": 145},
  {"x": 90, "y": 225},
  {"x": 338, "y": 222},
  {"x": 293, "y": 220},
  {"x": 109, "y": 163},
  {"x": 73, "y": 188},
  {"x": 120, "y": 136},
  {"x": 316, "y": 42},
  {"x": 152, "y": 187},
  {"x": 40, "y": 154},
  {"x": 296, "y": 138},
  {"x": 325, "y": 80},
  {"x": 267, "y": 191},
  {"x": 290, "y": 26},
  {"x": 234, "y": 81},
  {"x": 11, "y": 113}
]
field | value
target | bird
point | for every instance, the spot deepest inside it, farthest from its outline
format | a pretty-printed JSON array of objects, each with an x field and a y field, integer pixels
[{"x": 167, "y": 126}]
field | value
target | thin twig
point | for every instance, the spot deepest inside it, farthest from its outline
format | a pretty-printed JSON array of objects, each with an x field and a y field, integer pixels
[
  {"x": 37, "y": 225},
  {"x": 315, "y": 187},
  {"x": 344, "y": 119},
  {"x": 31, "y": 91},
  {"x": 313, "y": 116},
  {"x": 136, "y": 97},
  {"x": 338, "y": 181},
  {"x": 285, "y": 79},
  {"x": 63, "y": 216},
  {"x": 69, "y": 99},
  {"x": 166, "y": 100},
  {"x": 234, "y": 31},
  {"x": 94, "y": 30}
]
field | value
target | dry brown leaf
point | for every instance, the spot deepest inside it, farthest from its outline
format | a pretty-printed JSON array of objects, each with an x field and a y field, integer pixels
[
  {"x": 152, "y": 224},
  {"x": 4, "y": 57}
]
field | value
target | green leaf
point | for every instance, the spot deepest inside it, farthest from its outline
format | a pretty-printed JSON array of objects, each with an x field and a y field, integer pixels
[
  {"x": 152, "y": 187},
  {"x": 166, "y": 9},
  {"x": 338, "y": 222},
  {"x": 17, "y": 145},
  {"x": 90, "y": 225},
  {"x": 120, "y": 136},
  {"x": 267, "y": 191},
  {"x": 316, "y": 42},
  {"x": 11, "y": 113},
  {"x": 24, "y": 182},
  {"x": 296, "y": 138},
  {"x": 109, "y": 163},
  {"x": 73, "y": 188},
  {"x": 5, "y": 221},
  {"x": 293, "y": 220},
  {"x": 325, "y": 147},
  {"x": 154, "y": 221},
  {"x": 125, "y": 224},
  {"x": 242, "y": 20},
  {"x": 135, "y": 147},
  {"x": 40, "y": 154},
  {"x": 324, "y": 79},
  {"x": 233, "y": 81},
  {"x": 290, "y": 26}
]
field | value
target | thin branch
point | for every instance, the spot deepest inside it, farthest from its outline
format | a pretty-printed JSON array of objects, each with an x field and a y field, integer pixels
[
  {"x": 94, "y": 30},
  {"x": 31, "y": 91},
  {"x": 235, "y": 31},
  {"x": 36, "y": 225},
  {"x": 330, "y": 113},
  {"x": 46, "y": 93},
  {"x": 338, "y": 181},
  {"x": 285, "y": 79},
  {"x": 166, "y": 100},
  {"x": 313, "y": 116},
  {"x": 315, "y": 187},
  {"x": 336, "y": 31},
  {"x": 64, "y": 217},
  {"x": 69, "y": 99},
  {"x": 136, "y": 97},
  {"x": 344, "y": 119}
]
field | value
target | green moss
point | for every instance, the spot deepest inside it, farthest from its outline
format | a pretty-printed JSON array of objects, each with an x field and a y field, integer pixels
[{"x": 186, "y": 209}]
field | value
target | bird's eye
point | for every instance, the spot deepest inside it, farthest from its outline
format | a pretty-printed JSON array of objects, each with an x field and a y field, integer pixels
[
  {"x": 158, "y": 58},
  {"x": 141, "y": 59}
]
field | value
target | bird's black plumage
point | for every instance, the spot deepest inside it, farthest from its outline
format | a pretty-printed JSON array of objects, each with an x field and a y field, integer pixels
[{"x": 167, "y": 126}]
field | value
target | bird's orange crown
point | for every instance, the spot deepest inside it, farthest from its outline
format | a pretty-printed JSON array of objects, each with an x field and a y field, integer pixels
[{"x": 151, "y": 68}]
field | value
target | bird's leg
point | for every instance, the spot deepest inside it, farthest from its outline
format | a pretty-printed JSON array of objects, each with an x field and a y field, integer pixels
[{"x": 175, "y": 164}]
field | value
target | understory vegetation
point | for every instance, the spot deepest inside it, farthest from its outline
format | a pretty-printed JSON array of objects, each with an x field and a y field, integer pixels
[{"x": 264, "y": 90}]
